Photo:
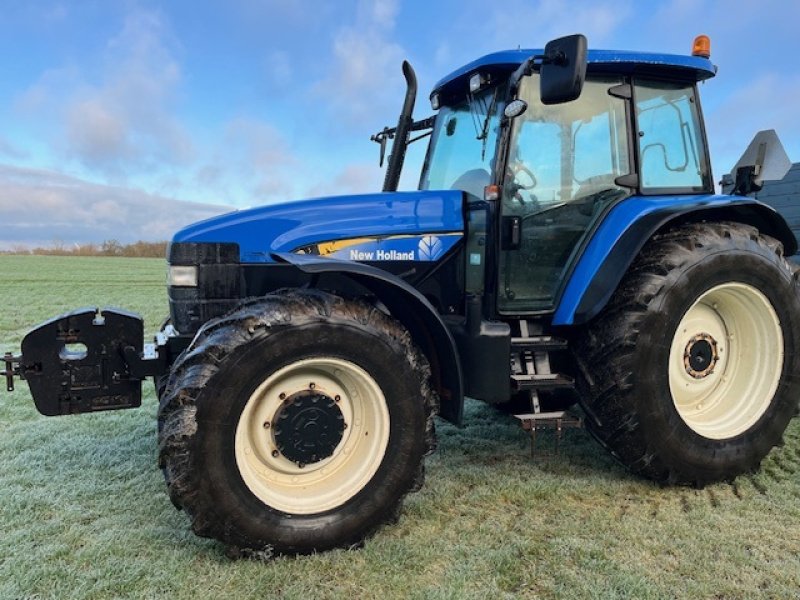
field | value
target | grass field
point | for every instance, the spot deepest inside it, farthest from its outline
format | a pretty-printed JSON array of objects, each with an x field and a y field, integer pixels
[{"x": 83, "y": 513}]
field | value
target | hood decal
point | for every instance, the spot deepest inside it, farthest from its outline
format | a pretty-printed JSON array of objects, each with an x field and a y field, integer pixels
[{"x": 425, "y": 247}]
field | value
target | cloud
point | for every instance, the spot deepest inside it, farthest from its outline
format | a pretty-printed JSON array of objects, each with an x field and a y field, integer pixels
[
  {"x": 353, "y": 179},
  {"x": 279, "y": 67},
  {"x": 511, "y": 24},
  {"x": 252, "y": 162},
  {"x": 39, "y": 206},
  {"x": 364, "y": 54},
  {"x": 123, "y": 122},
  {"x": 10, "y": 150}
]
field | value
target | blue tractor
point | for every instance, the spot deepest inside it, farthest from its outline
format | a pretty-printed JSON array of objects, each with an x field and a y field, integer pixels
[{"x": 565, "y": 245}]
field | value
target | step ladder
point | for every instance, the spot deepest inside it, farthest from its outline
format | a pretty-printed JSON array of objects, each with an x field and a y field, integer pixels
[{"x": 531, "y": 373}]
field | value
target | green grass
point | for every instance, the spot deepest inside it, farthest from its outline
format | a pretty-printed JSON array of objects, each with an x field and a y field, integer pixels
[{"x": 83, "y": 513}]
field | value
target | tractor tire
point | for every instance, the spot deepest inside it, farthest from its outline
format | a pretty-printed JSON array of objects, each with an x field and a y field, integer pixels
[
  {"x": 690, "y": 372},
  {"x": 296, "y": 424}
]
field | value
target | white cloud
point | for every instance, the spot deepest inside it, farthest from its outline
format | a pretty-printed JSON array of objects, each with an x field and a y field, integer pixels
[
  {"x": 531, "y": 24},
  {"x": 357, "y": 178},
  {"x": 382, "y": 12},
  {"x": 364, "y": 57},
  {"x": 279, "y": 67},
  {"x": 122, "y": 121},
  {"x": 10, "y": 150},
  {"x": 251, "y": 163},
  {"x": 38, "y": 206}
]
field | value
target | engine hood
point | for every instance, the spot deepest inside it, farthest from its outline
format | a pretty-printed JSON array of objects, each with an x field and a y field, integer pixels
[{"x": 293, "y": 226}]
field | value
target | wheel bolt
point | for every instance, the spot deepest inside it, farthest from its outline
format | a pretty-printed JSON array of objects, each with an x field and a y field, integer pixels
[
  {"x": 300, "y": 465},
  {"x": 345, "y": 426},
  {"x": 275, "y": 454},
  {"x": 282, "y": 396},
  {"x": 312, "y": 385},
  {"x": 337, "y": 398},
  {"x": 266, "y": 424}
]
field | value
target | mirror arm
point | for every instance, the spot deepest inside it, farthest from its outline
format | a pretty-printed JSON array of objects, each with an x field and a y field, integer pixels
[{"x": 526, "y": 68}]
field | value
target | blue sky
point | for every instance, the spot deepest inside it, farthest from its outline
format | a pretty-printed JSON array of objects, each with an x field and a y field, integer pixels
[{"x": 128, "y": 119}]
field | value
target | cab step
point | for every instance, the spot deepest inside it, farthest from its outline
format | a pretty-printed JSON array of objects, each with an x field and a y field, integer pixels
[
  {"x": 538, "y": 343},
  {"x": 542, "y": 381}
]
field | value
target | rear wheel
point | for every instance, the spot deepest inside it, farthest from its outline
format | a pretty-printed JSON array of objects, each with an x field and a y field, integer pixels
[
  {"x": 689, "y": 371},
  {"x": 296, "y": 424}
]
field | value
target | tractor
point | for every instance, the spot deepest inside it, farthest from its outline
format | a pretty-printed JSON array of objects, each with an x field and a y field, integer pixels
[{"x": 565, "y": 245}]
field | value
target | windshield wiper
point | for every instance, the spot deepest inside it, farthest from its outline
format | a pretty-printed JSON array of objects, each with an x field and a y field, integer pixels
[{"x": 484, "y": 134}]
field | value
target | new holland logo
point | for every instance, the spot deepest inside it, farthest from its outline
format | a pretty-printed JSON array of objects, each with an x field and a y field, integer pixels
[{"x": 430, "y": 248}]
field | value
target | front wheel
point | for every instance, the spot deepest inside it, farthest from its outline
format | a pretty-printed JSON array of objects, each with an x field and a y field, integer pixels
[
  {"x": 691, "y": 368},
  {"x": 296, "y": 424}
]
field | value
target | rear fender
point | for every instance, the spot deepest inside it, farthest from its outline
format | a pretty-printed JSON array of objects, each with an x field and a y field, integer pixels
[
  {"x": 628, "y": 227},
  {"x": 414, "y": 311}
]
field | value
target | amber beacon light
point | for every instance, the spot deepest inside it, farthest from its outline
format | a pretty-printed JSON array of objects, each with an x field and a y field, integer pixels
[{"x": 702, "y": 46}]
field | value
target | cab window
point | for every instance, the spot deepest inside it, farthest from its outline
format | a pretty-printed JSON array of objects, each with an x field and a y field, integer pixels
[{"x": 671, "y": 152}]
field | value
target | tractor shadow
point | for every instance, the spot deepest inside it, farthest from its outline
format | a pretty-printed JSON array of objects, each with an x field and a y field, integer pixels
[
  {"x": 493, "y": 450},
  {"x": 491, "y": 437}
]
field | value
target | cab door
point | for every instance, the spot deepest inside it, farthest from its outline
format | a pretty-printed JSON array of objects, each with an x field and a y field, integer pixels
[{"x": 562, "y": 170}]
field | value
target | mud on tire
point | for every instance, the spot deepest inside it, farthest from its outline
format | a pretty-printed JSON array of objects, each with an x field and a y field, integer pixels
[
  {"x": 296, "y": 424},
  {"x": 690, "y": 372}
]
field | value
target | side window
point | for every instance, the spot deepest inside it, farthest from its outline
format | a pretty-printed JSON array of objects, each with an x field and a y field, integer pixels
[
  {"x": 591, "y": 140},
  {"x": 671, "y": 153},
  {"x": 539, "y": 144}
]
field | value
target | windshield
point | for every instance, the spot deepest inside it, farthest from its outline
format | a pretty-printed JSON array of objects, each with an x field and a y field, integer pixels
[{"x": 462, "y": 149}]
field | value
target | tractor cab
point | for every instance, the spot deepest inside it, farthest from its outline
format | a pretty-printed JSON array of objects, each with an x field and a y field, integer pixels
[{"x": 553, "y": 166}]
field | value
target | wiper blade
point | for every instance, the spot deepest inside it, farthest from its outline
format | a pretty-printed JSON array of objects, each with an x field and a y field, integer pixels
[{"x": 484, "y": 134}]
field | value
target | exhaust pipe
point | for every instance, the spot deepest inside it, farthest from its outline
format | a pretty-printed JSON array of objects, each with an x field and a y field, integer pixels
[{"x": 398, "y": 155}]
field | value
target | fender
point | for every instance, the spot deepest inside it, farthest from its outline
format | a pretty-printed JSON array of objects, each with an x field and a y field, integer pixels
[
  {"x": 630, "y": 224},
  {"x": 414, "y": 311}
]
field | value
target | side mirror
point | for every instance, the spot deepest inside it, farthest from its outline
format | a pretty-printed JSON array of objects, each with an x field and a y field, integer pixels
[{"x": 563, "y": 69}]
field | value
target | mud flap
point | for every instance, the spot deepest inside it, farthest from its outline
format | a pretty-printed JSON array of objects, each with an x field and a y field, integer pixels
[{"x": 80, "y": 362}]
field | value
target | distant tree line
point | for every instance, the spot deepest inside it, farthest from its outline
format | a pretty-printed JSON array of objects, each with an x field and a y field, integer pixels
[{"x": 138, "y": 249}]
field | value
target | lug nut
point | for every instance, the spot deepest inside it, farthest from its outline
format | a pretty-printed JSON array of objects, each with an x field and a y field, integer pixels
[
  {"x": 312, "y": 385},
  {"x": 266, "y": 424},
  {"x": 282, "y": 396},
  {"x": 337, "y": 398},
  {"x": 275, "y": 454}
]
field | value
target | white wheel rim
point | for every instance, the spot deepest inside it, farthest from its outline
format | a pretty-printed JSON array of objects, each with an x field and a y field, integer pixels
[
  {"x": 736, "y": 325},
  {"x": 325, "y": 484}
]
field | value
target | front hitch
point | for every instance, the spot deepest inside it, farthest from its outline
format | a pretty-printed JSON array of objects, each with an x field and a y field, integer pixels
[
  {"x": 12, "y": 369},
  {"x": 84, "y": 361}
]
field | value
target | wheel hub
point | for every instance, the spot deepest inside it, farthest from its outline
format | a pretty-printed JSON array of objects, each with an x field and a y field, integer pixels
[
  {"x": 308, "y": 427},
  {"x": 700, "y": 356}
]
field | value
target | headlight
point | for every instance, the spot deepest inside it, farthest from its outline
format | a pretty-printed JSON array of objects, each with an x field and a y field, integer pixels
[{"x": 182, "y": 276}]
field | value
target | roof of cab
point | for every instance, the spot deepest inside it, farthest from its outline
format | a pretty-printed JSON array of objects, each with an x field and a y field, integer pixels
[{"x": 598, "y": 61}]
